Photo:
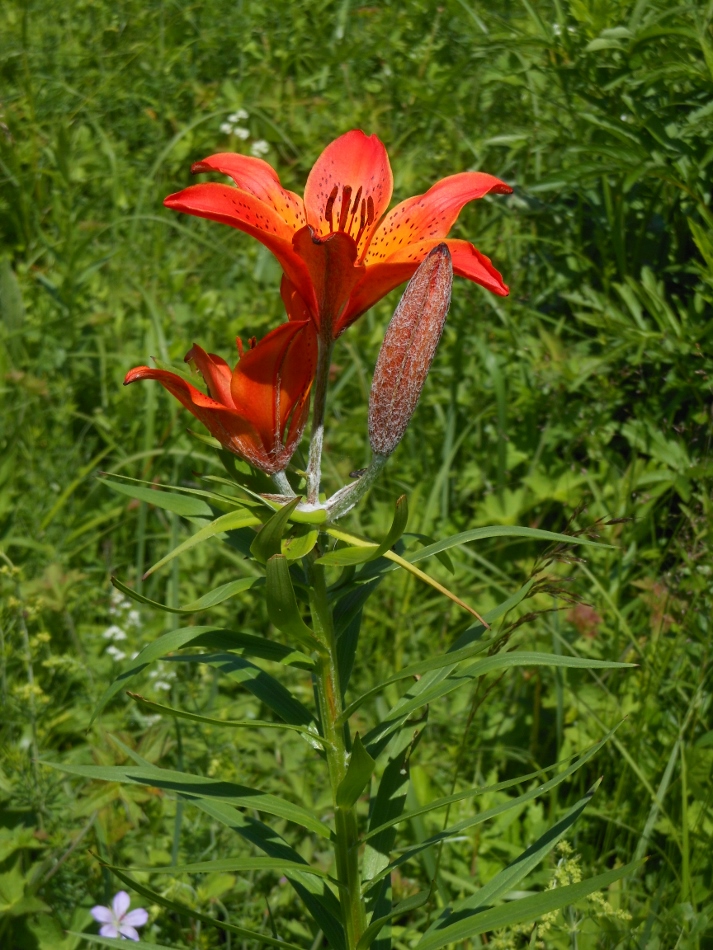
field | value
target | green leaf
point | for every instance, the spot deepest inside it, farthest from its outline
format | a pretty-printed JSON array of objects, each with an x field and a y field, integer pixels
[
  {"x": 403, "y": 907},
  {"x": 162, "y": 710},
  {"x": 359, "y": 770},
  {"x": 184, "y": 911},
  {"x": 520, "y": 911},
  {"x": 507, "y": 879},
  {"x": 211, "y": 599},
  {"x": 268, "y": 540},
  {"x": 577, "y": 761},
  {"x": 278, "y": 865},
  {"x": 211, "y": 638},
  {"x": 483, "y": 816},
  {"x": 265, "y": 687},
  {"x": 242, "y": 518},
  {"x": 417, "y": 697},
  {"x": 197, "y": 786},
  {"x": 184, "y": 505},
  {"x": 315, "y": 894},
  {"x": 500, "y": 531},
  {"x": 300, "y": 542},
  {"x": 282, "y": 607},
  {"x": 359, "y": 555}
]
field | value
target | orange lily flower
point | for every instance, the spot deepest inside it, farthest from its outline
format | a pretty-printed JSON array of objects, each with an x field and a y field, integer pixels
[
  {"x": 258, "y": 410},
  {"x": 339, "y": 249}
]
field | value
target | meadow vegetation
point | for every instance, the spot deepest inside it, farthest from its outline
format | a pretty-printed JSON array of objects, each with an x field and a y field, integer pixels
[{"x": 583, "y": 398}]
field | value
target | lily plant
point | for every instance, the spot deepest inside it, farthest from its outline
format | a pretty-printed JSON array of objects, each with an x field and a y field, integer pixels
[{"x": 341, "y": 250}]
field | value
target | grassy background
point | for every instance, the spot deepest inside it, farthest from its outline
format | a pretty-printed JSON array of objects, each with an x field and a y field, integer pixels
[{"x": 590, "y": 383}]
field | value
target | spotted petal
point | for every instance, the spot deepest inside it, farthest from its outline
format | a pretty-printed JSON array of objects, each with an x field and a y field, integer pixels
[
  {"x": 431, "y": 215},
  {"x": 352, "y": 176},
  {"x": 260, "y": 179}
]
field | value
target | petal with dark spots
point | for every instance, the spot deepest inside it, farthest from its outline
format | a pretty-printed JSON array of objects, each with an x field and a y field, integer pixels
[
  {"x": 432, "y": 214},
  {"x": 331, "y": 263},
  {"x": 260, "y": 179},
  {"x": 356, "y": 162}
]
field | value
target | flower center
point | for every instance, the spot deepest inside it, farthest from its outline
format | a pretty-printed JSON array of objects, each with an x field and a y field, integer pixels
[{"x": 353, "y": 217}]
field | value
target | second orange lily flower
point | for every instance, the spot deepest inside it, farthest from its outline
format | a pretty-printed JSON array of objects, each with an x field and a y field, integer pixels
[{"x": 339, "y": 249}]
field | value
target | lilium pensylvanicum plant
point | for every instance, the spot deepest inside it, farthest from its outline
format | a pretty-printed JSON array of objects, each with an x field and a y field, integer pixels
[
  {"x": 341, "y": 251},
  {"x": 258, "y": 411}
]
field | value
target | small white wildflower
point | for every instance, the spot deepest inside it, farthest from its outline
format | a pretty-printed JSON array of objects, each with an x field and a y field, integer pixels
[
  {"x": 226, "y": 128},
  {"x": 259, "y": 148},
  {"x": 238, "y": 116},
  {"x": 241, "y": 132},
  {"x": 114, "y": 632},
  {"x": 162, "y": 684},
  {"x": 116, "y": 921},
  {"x": 557, "y": 29},
  {"x": 116, "y": 653},
  {"x": 133, "y": 618}
]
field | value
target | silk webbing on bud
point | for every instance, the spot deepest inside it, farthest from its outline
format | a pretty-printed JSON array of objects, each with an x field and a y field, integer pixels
[{"x": 408, "y": 350}]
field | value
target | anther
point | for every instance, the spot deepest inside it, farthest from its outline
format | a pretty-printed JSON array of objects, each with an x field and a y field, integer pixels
[
  {"x": 240, "y": 346},
  {"x": 330, "y": 206},
  {"x": 356, "y": 201},
  {"x": 344, "y": 212},
  {"x": 369, "y": 209}
]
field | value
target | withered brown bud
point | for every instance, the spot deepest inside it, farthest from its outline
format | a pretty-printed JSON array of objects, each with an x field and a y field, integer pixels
[{"x": 408, "y": 350}]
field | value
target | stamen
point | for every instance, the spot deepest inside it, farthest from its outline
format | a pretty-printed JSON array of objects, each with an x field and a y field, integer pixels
[
  {"x": 369, "y": 209},
  {"x": 330, "y": 206},
  {"x": 252, "y": 342},
  {"x": 344, "y": 212},
  {"x": 362, "y": 221},
  {"x": 240, "y": 346},
  {"x": 356, "y": 201}
]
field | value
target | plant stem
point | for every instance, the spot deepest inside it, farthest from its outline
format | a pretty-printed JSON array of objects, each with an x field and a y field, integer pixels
[
  {"x": 329, "y": 694},
  {"x": 314, "y": 467},
  {"x": 282, "y": 484}
]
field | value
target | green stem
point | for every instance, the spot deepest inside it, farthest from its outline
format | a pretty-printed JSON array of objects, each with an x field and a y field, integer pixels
[
  {"x": 330, "y": 707},
  {"x": 314, "y": 466}
]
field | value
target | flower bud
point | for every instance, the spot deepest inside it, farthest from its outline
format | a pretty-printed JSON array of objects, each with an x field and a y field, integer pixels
[{"x": 408, "y": 349}]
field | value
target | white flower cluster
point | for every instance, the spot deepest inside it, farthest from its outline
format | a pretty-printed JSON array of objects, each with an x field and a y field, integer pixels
[
  {"x": 232, "y": 126},
  {"x": 162, "y": 678},
  {"x": 126, "y": 617}
]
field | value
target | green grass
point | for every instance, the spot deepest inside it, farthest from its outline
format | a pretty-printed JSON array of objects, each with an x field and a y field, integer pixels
[{"x": 590, "y": 384}]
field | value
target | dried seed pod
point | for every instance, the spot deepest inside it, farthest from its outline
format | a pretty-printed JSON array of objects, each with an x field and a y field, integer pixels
[{"x": 408, "y": 349}]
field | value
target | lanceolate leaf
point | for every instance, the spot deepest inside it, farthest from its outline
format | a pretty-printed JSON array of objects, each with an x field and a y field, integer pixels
[
  {"x": 188, "y": 506},
  {"x": 159, "y": 708},
  {"x": 184, "y": 911},
  {"x": 359, "y": 770},
  {"x": 209, "y": 637},
  {"x": 278, "y": 865},
  {"x": 265, "y": 687},
  {"x": 282, "y": 607},
  {"x": 315, "y": 893},
  {"x": 359, "y": 555},
  {"x": 211, "y": 599},
  {"x": 483, "y": 816},
  {"x": 197, "y": 786},
  {"x": 500, "y": 531},
  {"x": 415, "y": 698},
  {"x": 242, "y": 518},
  {"x": 575, "y": 763},
  {"x": 520, "y": 911},
  {"x": 507, "y": 879},
  {"x": 404, "y": 907},
  {"x": 268, "y": 540}
]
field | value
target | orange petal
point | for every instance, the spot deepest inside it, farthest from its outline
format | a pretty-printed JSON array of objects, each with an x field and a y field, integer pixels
[
  {"x": 215, "y": 371},
  {"x": 331, "y": 263},
  {"x": 244, "y": 211},
  {"x": 432, "y": 214},
  {"x": 295, "y": 307},
  {"x": 232, "y": 431},
  {"x": 274, "y": 378},
  {"x": 358, "y": 163},
  {"x": 380, "y": 279},
  {"x": 260, "y": 179}
]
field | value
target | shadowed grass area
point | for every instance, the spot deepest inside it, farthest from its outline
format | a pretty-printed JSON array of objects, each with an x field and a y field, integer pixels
[{"x": 589, "y": 384}]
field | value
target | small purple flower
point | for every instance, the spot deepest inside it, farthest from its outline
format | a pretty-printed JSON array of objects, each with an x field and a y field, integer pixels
[{"x": 115, "y": 920}]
